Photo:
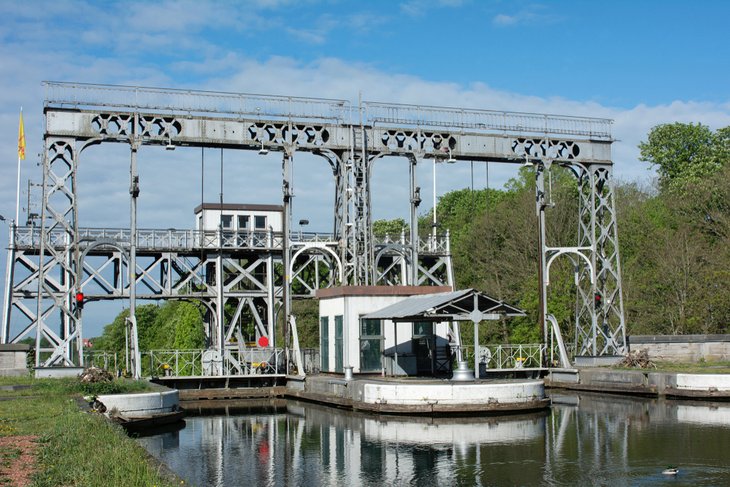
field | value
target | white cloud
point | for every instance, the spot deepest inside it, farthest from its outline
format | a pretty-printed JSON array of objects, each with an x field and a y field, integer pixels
[
  {"x": 418, "y": 8},
  {"x": 529, "y": 14},
  {"x": 504, "y": 19}
]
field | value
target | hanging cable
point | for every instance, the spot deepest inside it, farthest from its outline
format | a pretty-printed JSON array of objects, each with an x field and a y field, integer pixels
[
  {"x": 202, "y": 176},
  {"x": 486, "y": 198},
  {"x": 202, "y": 204},
  {"x": 473, "y": 202}
]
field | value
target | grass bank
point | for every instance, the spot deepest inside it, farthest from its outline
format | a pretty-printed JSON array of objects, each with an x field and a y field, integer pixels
[
  {"x": 694, "y": 367},
  {"x": 75, "y": 447},
  {"x": 683, "y": 367}
]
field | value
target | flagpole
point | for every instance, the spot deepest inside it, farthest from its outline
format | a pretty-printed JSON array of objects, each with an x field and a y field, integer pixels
[{"x": 17, "y": 190}]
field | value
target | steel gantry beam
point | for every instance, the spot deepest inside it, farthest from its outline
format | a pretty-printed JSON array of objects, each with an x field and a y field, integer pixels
[{"x": 54, "y": 262}]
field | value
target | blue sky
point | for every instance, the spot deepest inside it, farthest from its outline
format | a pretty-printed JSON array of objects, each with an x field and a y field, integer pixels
[{"x": 640, "y": 63}]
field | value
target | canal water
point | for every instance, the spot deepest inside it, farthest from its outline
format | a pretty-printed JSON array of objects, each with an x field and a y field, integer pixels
[{"x": 583, "y": 439}]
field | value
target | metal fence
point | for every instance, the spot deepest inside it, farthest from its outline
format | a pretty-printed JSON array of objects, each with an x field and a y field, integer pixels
[
  {"x": 211, "y": 362},
  {"x": 102, "y": 360},
  {"x": 507, "y": 356},
  {"x": 310, "y": 360}
]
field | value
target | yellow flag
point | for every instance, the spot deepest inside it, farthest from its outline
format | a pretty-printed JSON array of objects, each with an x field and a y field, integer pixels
[{"x": 21, "y": 138}]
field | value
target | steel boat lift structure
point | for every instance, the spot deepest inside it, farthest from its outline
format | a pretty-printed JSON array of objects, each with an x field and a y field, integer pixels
[{"x": 50, "y": 274}]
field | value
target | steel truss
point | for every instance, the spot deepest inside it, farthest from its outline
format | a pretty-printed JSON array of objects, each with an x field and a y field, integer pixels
[{"x": 49, "y": 265}]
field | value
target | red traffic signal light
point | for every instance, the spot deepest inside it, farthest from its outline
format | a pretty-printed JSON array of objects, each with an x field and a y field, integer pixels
[
  {"x": 79, "y": 299},
  {"x": 597, "y": 300}
]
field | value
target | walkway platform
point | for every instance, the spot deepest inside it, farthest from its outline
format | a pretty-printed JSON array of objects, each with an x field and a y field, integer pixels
[{"x": 421, "y": 396}]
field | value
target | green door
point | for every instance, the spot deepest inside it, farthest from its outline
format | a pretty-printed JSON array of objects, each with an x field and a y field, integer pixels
[
  {"x": 339, "y": 344},
  {"x": 371, "y": 346},
  {"x": 324, "y": 343}
]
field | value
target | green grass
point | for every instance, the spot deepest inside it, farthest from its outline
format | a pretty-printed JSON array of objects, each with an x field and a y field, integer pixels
[
  {"x": 694, "y": 368},
  {"x": 76, "y": 448}
]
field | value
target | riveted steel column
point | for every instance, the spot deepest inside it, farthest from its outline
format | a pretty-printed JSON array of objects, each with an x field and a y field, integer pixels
[
  {"x": 136, "y": 366},
  {"x": 415, "y": 192},
  {"x": 286, "y": 224}
]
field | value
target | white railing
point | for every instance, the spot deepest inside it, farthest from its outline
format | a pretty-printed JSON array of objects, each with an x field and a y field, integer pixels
[
  {"x": 174, "y": 239},
  {"x": 439, "y": 244},
  {"x": 509, "y": 356},
  {"x": 422, "y": 116},
  {"x": 207, "y": 363},
  {"x": 82, "y": 95},
  {"x": 152, "y": 239}
]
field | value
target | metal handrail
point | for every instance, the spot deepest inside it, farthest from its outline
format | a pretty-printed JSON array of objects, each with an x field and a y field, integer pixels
[
  {"x": 169, "y": 100},
  {"x": 180, "y": 239},
  {"x": 507, "y": 356},
  {"x": 156, "y": 239},
  {"x": 424, "y": 116},
  {"x": 230, "y": 362},
  {"x": 85, "y": 95}
]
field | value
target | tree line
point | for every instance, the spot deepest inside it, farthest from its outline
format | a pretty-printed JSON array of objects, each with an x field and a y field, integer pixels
[{"x": 674, "y": 241}]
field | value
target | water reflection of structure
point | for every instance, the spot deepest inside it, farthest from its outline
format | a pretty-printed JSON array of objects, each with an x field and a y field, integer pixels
[
  {"x": 585, "y": 439},
  {"x": 396, "y": 450},
  {"x": 606, "y": 434}
]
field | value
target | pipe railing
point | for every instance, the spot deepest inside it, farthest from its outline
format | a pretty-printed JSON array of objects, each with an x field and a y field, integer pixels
[
  {"x": 83, "y": 95},
  {"x": 423, "y": 116},
  {"x": 271, "y": 107},
  {"x": 176, "y": 239}
]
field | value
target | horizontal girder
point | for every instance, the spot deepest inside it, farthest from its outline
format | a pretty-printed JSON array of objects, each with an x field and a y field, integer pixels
[{"x": 256, "y": 132}]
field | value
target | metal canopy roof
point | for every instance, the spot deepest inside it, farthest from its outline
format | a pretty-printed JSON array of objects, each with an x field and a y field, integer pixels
[{"x": 464, "y": 305}]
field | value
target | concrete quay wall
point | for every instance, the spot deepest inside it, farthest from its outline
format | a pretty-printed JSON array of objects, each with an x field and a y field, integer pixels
[
  {"x": 421, "y": 396},
  {"x": 683, "y": 348},
  {"x": 669, "y": 384},
  {"x": 13, "y": 359}
]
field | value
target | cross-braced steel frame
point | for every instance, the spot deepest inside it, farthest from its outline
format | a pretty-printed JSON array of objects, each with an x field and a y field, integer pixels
[{"x": 257, "y": 275}]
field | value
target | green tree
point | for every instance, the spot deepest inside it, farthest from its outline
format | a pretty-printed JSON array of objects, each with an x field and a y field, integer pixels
[
  {"x": 685, "y": 153},
  {"x": 173, "y": 325},
  {"x": 307, "y": 314},
  {"x": 393, "y": 228}
]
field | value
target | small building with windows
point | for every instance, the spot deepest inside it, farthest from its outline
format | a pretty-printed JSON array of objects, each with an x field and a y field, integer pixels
[
  {"x": 400, "y": 330},
  {"x": 369, "y": 345},
  {"x": 240, "y": 225}
]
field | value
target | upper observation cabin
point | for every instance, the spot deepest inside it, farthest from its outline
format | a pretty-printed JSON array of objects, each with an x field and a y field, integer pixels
[{"x": 239, "y": 225}]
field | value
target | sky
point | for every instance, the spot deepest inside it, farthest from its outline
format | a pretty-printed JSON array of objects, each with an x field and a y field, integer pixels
[{"x": 638, "y": 63}]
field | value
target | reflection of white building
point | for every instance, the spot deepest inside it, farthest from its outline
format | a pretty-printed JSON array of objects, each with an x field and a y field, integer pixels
[
  {"x": 704, "y": 415},
  {"x": 242, "y": 225},
  {"x": 369, "y": 345},
  {"x": 455, "y": 433}
]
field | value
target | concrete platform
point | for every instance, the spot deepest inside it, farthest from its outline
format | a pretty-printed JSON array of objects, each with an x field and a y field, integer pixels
[
  {"x": 140, "y": 404},
  {"x": 421, "y": 396}
]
